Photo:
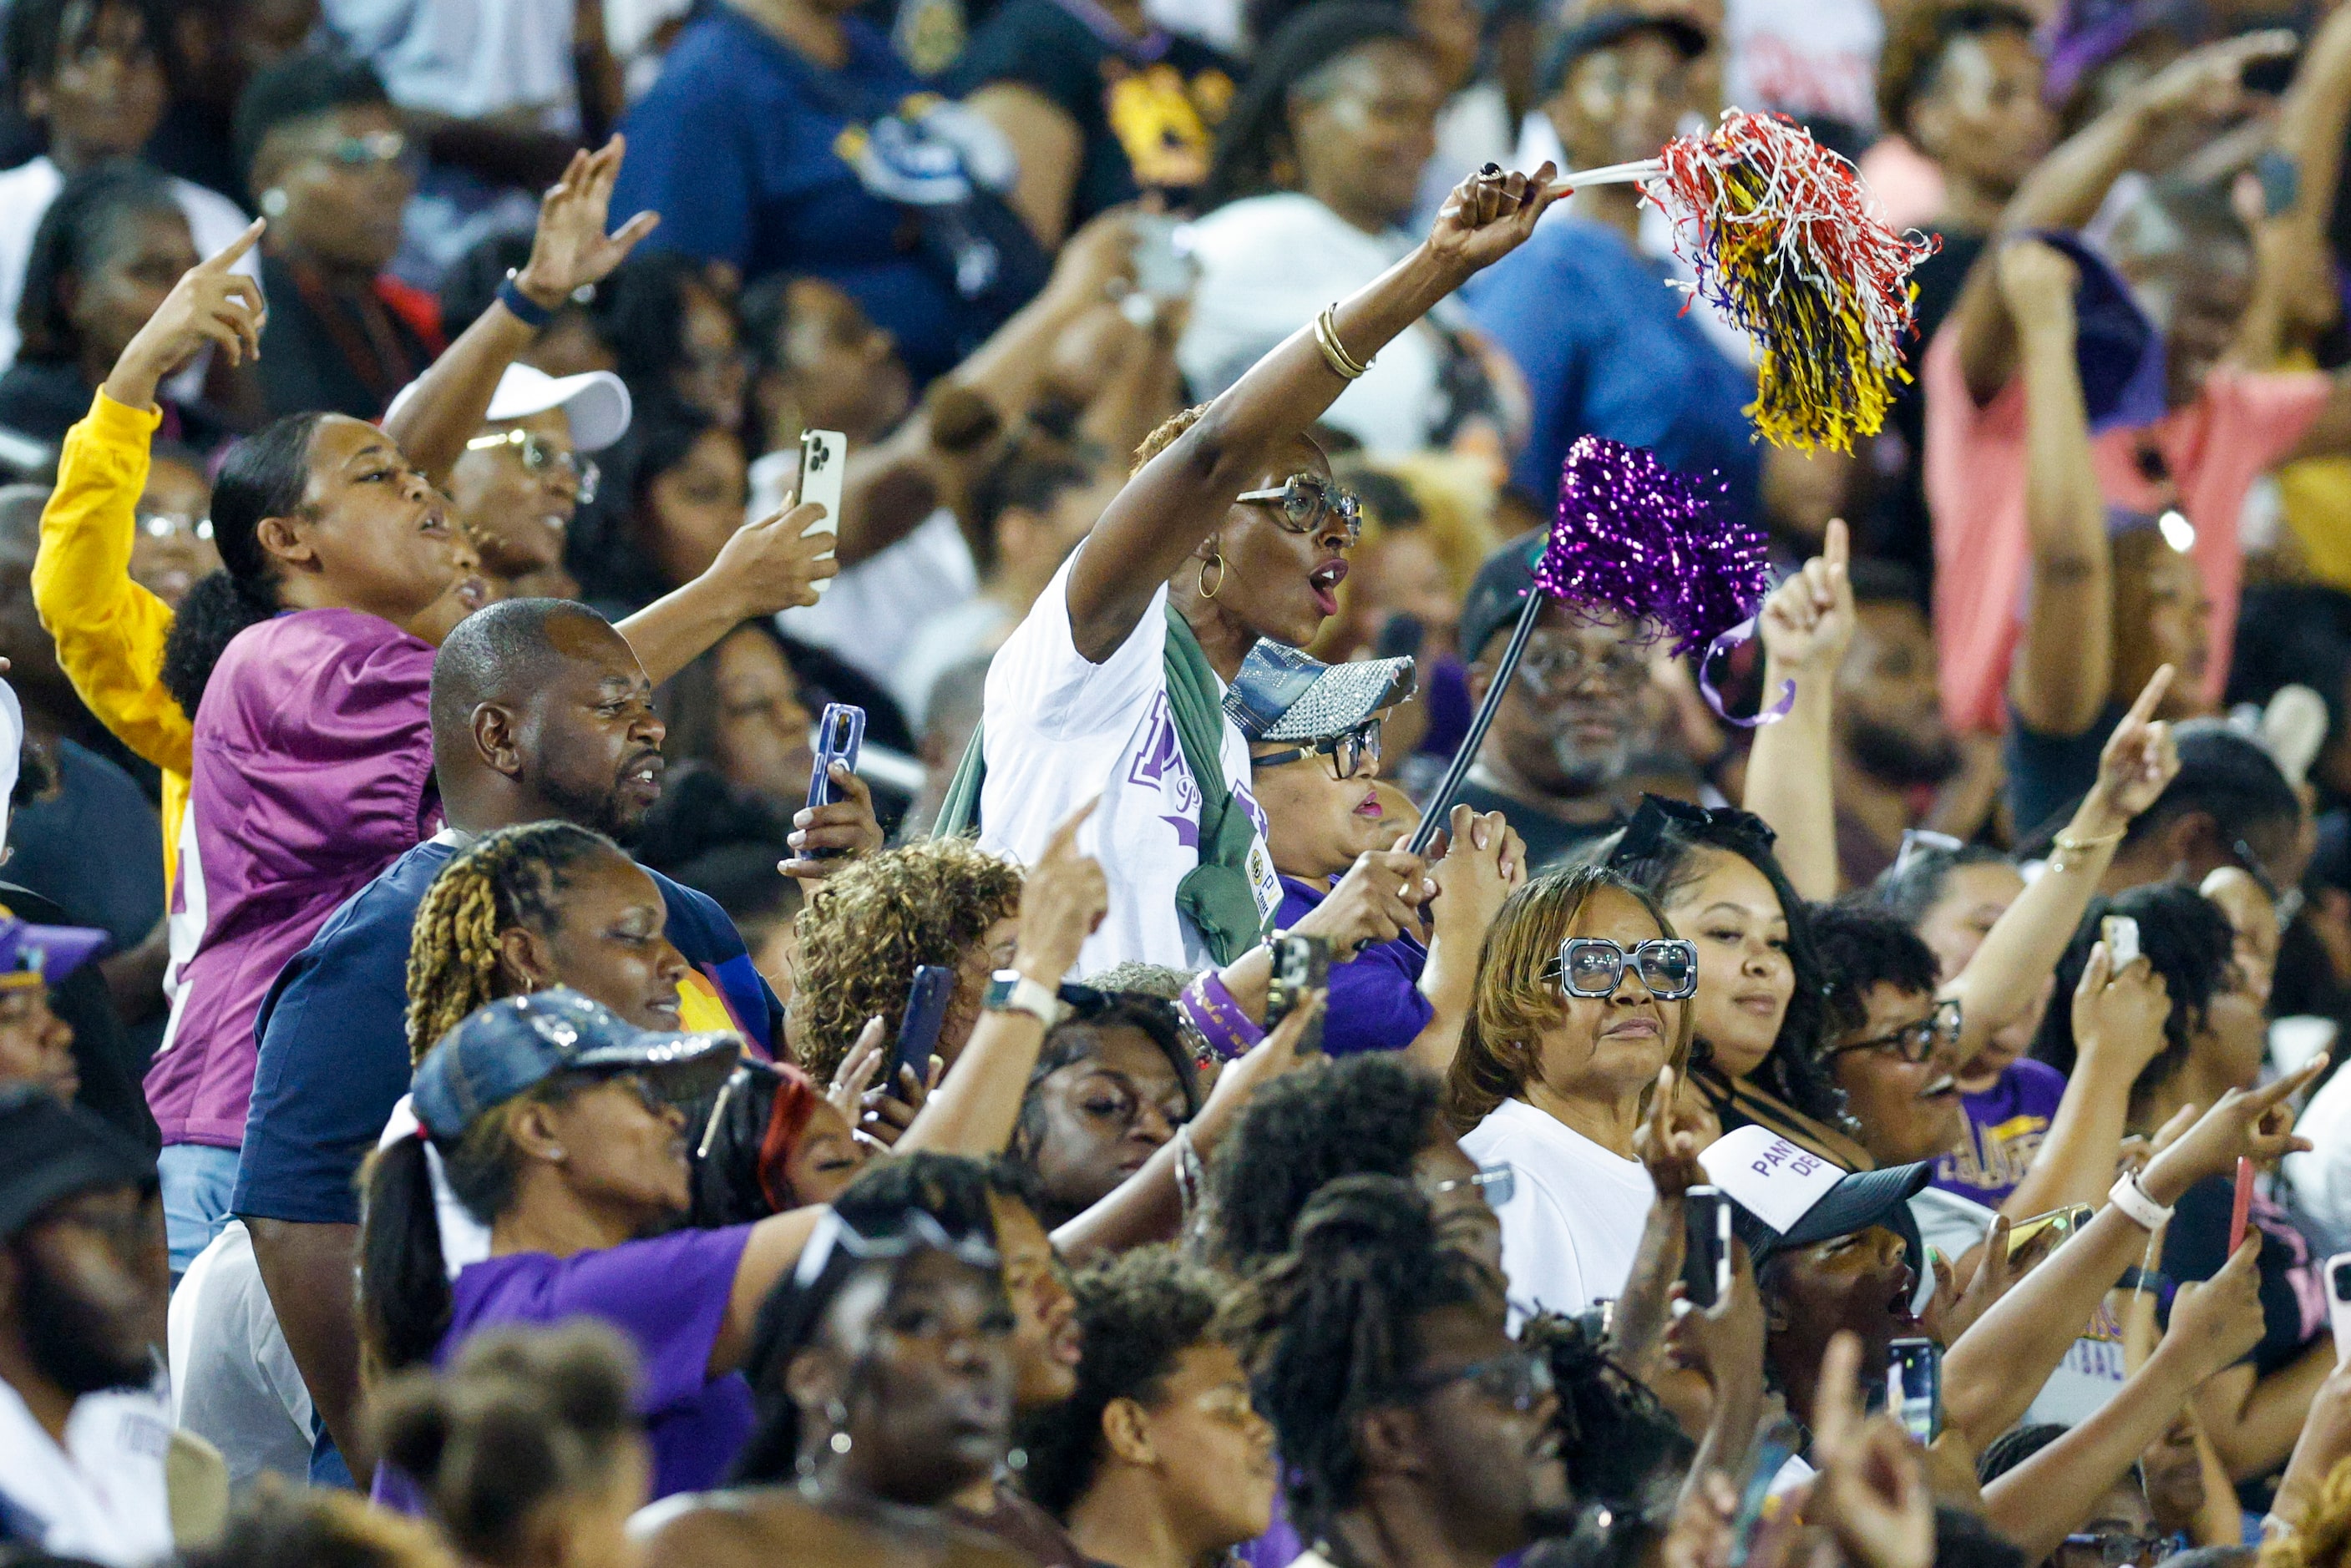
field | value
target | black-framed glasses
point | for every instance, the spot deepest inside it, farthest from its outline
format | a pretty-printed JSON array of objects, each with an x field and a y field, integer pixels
[
  {"x": 1915, "y": 1042},
  {"x": 2116, "y": 1548},
  {"x": 1497, "y": 1183},
  {"x": 1516, "y": 1378},
  {"x": 1299, "y": 505},
  {"x": 2287, "y": 901},
  {"x": 1594, "y": 967},
  {"x": 164, "y": 525},
  {"x": 1554, "y": 667},
  {"x": 538, "y": 456},
  {"x": 1348, "y": 753}
]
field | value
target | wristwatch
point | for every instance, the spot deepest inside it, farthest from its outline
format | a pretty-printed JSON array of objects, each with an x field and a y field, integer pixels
[{"x": 1010, "y": 991}]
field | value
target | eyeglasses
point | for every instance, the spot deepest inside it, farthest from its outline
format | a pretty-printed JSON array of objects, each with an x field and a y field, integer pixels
[
  {"x": 1348, "y": 753},
  {"x": 164, "y": 525},
  {"x": 1594, "y": 966},
  {"x": 1915, "y": 1042},
  {"x": 1299, "y": 504},
  {"x": 1553, "y": 669},
  {"x": 1497, "y": 1183},
  {"x": 1518, "y": 1378},
  {"x": 2116, "y": 1549},
  {"x": 1921, "y": 841},
  {"x": 2287, "y": 901},
  {"x": 377, "y": 149},
  {"x": 538, "y": 456}
]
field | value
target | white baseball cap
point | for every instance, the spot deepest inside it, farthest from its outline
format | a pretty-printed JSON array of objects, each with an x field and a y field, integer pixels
[{"x": 596, "y": 400}]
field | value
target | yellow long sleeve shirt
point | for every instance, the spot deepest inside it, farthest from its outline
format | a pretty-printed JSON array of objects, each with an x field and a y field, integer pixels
[{"x": 109, "y": 631}]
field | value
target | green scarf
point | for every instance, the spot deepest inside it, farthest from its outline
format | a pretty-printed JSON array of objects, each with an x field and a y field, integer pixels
[{"x": 1216, "y": 894}]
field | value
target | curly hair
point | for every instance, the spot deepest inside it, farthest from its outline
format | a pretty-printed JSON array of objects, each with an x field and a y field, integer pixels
[
  {"x": 1793, "y": 1072},
  {"x": 1862, "y": 948},
  {"x": 526, "y": 1414},
  {"x": 2190, "y": 944},
  {"x": 1515, "y": 997},
  {"x": 863, "y": 934},
  {"x": 1137, "y": 1311},
  {"x": 1331, "y": 1330},
  {"x": 513, "y": 877},
  {"x": 2325, "y": 1538},
  {"x": 1358, "y": 1116}
]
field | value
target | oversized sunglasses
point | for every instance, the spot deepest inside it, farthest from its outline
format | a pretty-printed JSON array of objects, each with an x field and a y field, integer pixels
[
  {"x": 1348, "y": 753},
  {"x": 1516, "y": 1378},
  {"x": 1914, "y": 1043},
  {"x": 1299, "y": 505},
  {"x": 538, "y": 456},
  {"x": 1594, "y": 967}
]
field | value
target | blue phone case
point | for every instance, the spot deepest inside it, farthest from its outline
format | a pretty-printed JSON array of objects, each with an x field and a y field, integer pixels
[
  {"x": 839, "y": 736},
  {"x": 926, "y": 1014}
]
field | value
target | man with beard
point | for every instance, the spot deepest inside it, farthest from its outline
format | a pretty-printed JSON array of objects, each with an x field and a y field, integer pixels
[
  {"x": 82, "y": 1286},
  {"x": 1892, "y": 743},
  {"x": 539, "y": 711},
  {"x": 1555, "y": 760}
]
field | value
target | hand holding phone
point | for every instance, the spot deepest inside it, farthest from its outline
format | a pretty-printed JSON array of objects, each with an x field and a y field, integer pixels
[
  {"x": 2057, "y": 1224},
  {"x": 918, "y": 1032},
  {"x": 1706, "y": 1257},
  {"x": 1914, "y": 1386},
  {"x": 839, "y": 735},
  {"x": 2121, "y": 936}
]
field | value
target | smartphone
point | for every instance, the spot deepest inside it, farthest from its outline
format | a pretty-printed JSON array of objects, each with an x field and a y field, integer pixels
[
  {"x": 1165, "y": 267},
  {"x": 2240, "y": 1212},
  {"x": 1706, "y": 1257},
  {"x": 1301, "y": 967},
  {"x": 839, "y": 736},
  {"x": 1914, "y": 1386},
  {"x": 2059, "y": 1222},
  {"x": 2121, "y": 934},
  {"x": 824, "y": 457},
  {"x": 1761, "y": 1514},
  {"x": 926, "y": 1014},
  {"x": 2338, "y": 1303}
]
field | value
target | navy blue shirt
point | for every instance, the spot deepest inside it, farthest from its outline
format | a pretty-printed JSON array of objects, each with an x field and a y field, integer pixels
[
  {"x": 334, "y": 1037},
  {"x": 1606, "y": 351},
  {"x": 737, "y": 147}
]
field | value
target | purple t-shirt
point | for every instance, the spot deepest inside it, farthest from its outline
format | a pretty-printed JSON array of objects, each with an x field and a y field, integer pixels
[
  {"x": 2005, "y": 1126},
  {"x": 313, "y": 772},
  {"x": 669, "y": 1296},
  {"x": 1375, "y": 1002}
]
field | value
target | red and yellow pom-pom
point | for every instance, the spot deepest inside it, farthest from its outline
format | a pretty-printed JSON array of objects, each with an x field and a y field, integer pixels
[{"x": 1780, "y": 232}]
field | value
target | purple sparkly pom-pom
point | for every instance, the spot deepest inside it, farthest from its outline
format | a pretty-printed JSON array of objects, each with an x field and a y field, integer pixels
[{"x": 1635, "y": 537}]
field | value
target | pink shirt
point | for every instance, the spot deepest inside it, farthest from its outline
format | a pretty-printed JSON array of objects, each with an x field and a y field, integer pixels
[{"x": 2216, "y": 447}]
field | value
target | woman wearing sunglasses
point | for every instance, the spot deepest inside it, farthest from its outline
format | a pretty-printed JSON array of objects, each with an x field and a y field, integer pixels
[
  {"x": 1229, "y": 531},
  {"x": 1581, "y": 1003}
]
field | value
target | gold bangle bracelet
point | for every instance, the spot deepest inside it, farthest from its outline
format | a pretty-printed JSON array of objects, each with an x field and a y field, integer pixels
[{"x": 1334, "y": 354}]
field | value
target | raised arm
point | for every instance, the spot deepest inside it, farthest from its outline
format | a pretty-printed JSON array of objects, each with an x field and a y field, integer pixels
[
  {"x": 2064, "y": 188},
  {"x": 1993, "y": 1372},
  {"x": 768, "y": 566},
  {"x": 570, "y": 251},
  {"x": 1999, "y": 983},
  {"x": 2118, "y": 1030},
  {"x": 1807, "y": 625},
  {"x": 1181, "y": 496},
  {"x": 2063, "y": 666},
  {"x": 973, "y": 1109},
  {"x": 2039, "y": 1503},
  {"x": 2293, "y": 285}
]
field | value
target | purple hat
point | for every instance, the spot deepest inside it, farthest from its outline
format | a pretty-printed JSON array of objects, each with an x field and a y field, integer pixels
[
  {"x": 2116, "y": 348},
  {"x": 44, "y": 955}
]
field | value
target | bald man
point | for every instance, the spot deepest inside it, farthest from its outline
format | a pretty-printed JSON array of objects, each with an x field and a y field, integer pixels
[{"x": 541, "y": 712}]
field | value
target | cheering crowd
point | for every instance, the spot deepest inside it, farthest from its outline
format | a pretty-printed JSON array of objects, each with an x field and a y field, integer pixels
[{"x": 732, "y": 827}]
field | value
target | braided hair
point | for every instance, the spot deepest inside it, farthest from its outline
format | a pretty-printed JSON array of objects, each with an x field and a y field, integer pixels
[
  {"x": 1331, "y": 1330},
  {"x": 511, "y": 877}
]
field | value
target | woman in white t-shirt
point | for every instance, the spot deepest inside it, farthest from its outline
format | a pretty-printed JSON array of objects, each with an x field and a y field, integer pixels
[
  {"x": 1229, "y": 531},
  {"x": 1581, "y": 1003}
]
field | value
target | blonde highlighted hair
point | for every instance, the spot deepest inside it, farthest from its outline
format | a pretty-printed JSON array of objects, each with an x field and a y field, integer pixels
[{"x": 1517, "y": 996}]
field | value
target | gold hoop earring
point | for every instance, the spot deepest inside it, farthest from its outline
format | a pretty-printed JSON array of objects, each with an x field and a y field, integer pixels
[{"x": 1217, "y": 561}]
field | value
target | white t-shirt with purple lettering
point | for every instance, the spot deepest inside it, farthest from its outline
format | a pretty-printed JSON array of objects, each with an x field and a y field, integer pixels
[{"x": 1061, "y": 730}]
